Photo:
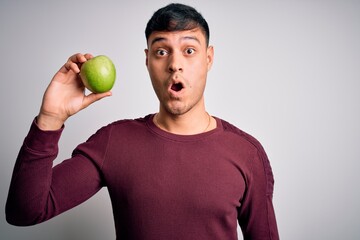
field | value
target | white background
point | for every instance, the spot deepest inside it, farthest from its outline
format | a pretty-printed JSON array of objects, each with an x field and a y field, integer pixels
[{"x": 287, "y": 72}]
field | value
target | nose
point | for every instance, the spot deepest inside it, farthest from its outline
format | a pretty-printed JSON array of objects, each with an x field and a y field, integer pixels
[{"x": 175, "y": 63}]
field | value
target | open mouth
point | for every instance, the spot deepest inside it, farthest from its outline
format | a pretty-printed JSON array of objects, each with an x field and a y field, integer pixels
[{"x": 177, "y": 87}]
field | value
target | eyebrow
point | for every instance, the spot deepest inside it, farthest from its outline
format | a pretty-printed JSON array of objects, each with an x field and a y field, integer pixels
[{"x": 160, "y": 39}]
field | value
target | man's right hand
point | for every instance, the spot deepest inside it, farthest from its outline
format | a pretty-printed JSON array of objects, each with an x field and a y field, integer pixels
[{"x": 65, "y": 95}]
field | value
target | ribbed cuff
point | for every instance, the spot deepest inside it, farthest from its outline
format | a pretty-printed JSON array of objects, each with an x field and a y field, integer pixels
[{"x": 40, "y": 140}]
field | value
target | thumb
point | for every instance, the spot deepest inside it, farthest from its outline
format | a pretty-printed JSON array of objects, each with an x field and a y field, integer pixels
[{"x": 93, "y": 97}]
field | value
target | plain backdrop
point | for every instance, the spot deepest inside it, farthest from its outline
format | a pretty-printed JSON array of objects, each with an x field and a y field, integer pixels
[{"x": 287, "y": 72}]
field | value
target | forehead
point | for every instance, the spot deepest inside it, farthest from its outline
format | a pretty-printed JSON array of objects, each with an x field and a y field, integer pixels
[{"x": 196, "y": 35}]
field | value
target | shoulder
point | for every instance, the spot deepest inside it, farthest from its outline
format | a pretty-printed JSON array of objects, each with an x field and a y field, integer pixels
[
  {"x": 121, "y": 127},
  {"x": 126, "y": 123},
  {"x": 260, "y": 163},
  {"x": 135, "y": 121},
  {"x": 239, "y": 134}
]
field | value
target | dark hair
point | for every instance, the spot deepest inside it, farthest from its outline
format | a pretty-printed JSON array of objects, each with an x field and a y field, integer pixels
[{"x": 177, "y": 17}]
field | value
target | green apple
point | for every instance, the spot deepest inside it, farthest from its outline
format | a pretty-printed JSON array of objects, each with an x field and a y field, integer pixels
[{"x": 98, "y": 74}]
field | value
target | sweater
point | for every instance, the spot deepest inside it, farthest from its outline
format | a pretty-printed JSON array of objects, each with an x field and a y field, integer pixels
[{"x": 162, "y": 186}]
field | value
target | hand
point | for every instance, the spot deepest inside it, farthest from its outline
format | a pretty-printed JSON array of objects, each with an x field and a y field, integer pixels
[{"x": 65, "y": 95}]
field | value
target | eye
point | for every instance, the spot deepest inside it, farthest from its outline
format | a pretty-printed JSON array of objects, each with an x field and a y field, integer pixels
[
  {"x": 190, "y": 51},
  {"x": 161, "y": 52}
]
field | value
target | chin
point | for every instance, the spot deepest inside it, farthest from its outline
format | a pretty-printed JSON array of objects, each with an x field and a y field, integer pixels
[{"x": 176, "y": 110}]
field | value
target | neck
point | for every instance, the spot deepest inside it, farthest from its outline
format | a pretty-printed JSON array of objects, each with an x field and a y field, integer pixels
[{"x": 185, "y": 124}]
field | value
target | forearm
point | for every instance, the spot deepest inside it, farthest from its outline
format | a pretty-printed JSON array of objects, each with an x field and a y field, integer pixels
[
  {"x": 39, "y": 191},
  {"x": 29, "y": 194}
]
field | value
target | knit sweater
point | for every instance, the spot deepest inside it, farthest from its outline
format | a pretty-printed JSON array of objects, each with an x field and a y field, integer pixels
[{"x": 162, "y": 186}]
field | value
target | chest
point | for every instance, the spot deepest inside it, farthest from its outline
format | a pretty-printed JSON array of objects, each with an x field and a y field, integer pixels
[{"x": 181, "y": 177}]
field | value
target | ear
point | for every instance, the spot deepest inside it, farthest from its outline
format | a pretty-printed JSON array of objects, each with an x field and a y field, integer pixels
[
  {"x": 146, "y": 56},
  {"x": 210, "y": 57}
]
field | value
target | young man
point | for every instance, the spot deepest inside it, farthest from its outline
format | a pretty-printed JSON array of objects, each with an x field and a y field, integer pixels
[{"x": 176, "y": 174}]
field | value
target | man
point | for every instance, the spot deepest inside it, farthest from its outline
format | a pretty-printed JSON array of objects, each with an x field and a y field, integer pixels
[{"x": 176, "y": 174}]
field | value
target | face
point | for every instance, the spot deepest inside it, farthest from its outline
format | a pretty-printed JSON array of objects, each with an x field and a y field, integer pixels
[{"x": 178, "y": 63}]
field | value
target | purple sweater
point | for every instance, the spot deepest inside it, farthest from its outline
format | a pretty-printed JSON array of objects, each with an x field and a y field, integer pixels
[{"x": 162, "y": 186}]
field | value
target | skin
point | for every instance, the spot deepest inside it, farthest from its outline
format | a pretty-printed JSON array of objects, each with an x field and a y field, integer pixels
[
  {"x": 65, "y": 95},
  {"x": 181, "y": 57}
]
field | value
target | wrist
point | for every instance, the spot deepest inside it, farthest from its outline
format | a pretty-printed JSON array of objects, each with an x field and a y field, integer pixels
[{"x": 49, "y": 123}]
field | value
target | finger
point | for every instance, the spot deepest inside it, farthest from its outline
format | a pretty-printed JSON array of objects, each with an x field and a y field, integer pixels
[
  {"x": 64, "y": 69},
  {"x": 88, "y": 56},
  {"x": 80, "y": 58},
  {"x": 93, "y": 97},
  {"x": 68, "y": 66},
  {"x": 71, "y": 63},
  {"x": 77, "y": 58},
  {"x": 75, "y": 61},
  {"x": 71, "y": 66}
]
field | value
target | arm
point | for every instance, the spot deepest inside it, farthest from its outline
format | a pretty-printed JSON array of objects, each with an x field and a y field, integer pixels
[
  {"x": 256, "y": 215},
  {"x": 37, "y": 190}
]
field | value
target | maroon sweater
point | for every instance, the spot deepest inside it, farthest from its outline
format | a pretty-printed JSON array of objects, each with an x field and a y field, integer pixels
[{"x": 162, "y": 186}]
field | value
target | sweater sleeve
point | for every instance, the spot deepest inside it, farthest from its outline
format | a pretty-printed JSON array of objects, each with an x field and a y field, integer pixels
[
  {"x": 256, "y": 215},
  {"x": 38, "y": 191}
]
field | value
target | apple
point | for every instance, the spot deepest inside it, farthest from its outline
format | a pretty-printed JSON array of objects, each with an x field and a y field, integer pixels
[{"x": 98, "y": 74}]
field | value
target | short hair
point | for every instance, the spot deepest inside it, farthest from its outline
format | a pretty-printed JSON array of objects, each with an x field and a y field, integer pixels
[{"x": 177, "y": 17}]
